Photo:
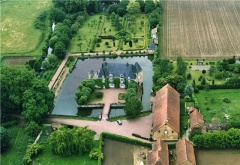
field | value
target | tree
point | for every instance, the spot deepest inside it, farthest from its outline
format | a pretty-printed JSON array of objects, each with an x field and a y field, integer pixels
[
  {"x": 133, "y": 106},
  {"x": 181, "y": 66},
  {"x": 57, "y": 15},
  {"x": 189, "y": 76},
  {"x": 212, "y": 70},
  {"x": 14, "y": 82},
  {"x": 154, "y": 18},
  {"x": 33, "y": 129},
  {"x": 149, "y": 6},
  {"x": 67, "y": 141},
  {"x": 142, "y": 4},
  {"x": 188, "y": 91},
  {"x": 38, "y": 101},
  {"x": 60, "y": 50},
  {"x": 4, "y": 139},
  {"x": 133, "y": 8}
]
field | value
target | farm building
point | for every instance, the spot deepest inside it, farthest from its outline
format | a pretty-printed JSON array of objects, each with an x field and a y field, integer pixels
[
  {"x": 159, "y": 154},
  {"x": 196, "y": 119},
  {"x": 166, "y": 110},
  {"x": 154, "y": 36},
  {"x": 185, "y": 153}
]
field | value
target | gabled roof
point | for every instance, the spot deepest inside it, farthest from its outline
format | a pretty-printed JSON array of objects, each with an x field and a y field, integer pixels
[
  {"x": 166, "y": 109},
  {"x": 159, "y": 154},
  {"x": 116, "y": 69},
  {"x": 154, "y": 31},
  {"x": 185, "y": 152},
  {"x": 196, "y": 118}
]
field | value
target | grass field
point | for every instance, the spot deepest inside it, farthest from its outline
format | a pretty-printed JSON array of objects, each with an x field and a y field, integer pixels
[
  {"x": 19, "y": 141},
  {"x": 194, "y": 29},
  {"x": 18, "y": 34},
  {"x": 212, "y": 100}
]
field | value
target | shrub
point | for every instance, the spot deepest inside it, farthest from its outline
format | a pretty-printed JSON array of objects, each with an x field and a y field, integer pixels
[
  {"x": 189, "y": 76},
  {"x": 135, "y": 40},
  {"x": 99, "y": 95},
  {"x": 226, "y": 100},
  {"x": 125, "y": 139},
  {"x": 98, "y": 45},
  {"x": 106, "y": 43},
  {"x": 99, "y": 40},
  {"x": 203, "y": 71},
  {"x": 33, "y": 129},
  {"x": 32, "y": 150}
]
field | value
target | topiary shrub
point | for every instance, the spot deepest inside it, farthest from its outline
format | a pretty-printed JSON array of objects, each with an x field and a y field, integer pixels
[{"x": 99, "y": 95}]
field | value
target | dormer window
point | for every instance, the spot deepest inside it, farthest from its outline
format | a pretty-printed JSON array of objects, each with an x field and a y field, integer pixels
[
  {"x": 110, "y": 75},
  {"x": 121, "y": 75}
]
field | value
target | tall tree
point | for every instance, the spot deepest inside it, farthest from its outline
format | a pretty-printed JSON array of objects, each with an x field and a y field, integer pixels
[
  {"x": 14, "y": 82},
  {"x": 181, "y": 66},
  {"x": 67, "y": 141},
  {"x": 133, "y": 8},
  {"x": 4, "y": 139},
  {"x": 38, "y": 101},
  {"x": 149, "y": 6},
  {"x": 133, "y": 106}
]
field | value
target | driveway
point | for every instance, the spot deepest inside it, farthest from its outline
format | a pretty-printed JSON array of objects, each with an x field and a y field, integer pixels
[{"x": 141, "y": 126}]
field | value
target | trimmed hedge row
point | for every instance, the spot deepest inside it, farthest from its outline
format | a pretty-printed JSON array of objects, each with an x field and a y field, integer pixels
[
  {"x": 100, "y": 158},
  {"x": 125, "y": 139}
]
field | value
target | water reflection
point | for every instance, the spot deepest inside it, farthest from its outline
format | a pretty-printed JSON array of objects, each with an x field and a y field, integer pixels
[{"x": 65, "y": 103}]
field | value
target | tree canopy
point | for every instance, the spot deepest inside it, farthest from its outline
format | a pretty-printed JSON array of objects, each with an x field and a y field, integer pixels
[
  {"x": 67, "y": 141},
  {"x": 4, "y": 138},
  {"x": 133, "y": 105},
  {"x": 22, "y": 92}
]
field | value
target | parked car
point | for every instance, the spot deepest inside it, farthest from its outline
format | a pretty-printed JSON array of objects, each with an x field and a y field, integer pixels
[{"x": 119, "y": 122}]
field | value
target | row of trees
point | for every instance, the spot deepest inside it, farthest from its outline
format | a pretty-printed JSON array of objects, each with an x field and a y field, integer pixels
[
  {"x": 133, "y": 105},
  {"x": 85, "y": 89},
  {"x": 218, "y": 139},
  {"x": 67, "y": 141}
]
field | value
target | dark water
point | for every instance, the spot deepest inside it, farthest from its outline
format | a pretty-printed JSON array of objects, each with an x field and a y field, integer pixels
[
  {"x": 65, "y": 103},
  {"x": 116, "y": 112}
]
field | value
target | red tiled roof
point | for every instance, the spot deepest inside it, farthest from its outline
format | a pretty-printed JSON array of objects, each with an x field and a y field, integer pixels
[
  {"x": 159, "y": 154},
  {"x": 166, "y": 109},
  {"x": 185, "y": 152},
  {"x": 196, "y": 118}
]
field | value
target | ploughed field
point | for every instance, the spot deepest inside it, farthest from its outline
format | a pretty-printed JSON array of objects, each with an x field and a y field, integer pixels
[{"x": 201, "y": 29}]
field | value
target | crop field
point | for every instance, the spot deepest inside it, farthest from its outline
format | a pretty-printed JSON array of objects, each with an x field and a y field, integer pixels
[
  {"x": 16, "y": 60},
  {"x": 18, "y": 34},
  {"x": 201, "y": 29}
]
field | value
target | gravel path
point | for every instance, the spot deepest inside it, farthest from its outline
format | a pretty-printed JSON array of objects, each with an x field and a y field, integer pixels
[{"x": 141, "y": 126}]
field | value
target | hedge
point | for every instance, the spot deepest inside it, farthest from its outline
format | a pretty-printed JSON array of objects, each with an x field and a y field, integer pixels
[
  {"x": 100, "y": 149},
  {"x": 125, "y": 139}
]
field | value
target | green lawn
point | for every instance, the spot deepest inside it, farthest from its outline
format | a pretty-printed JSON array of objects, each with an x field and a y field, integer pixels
[
  {"x": 213, "y": 108},
  {"x": 18, "y": 34},
  {"x": 82, "y": 41},
  {"x": 19, "y": 141}
]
